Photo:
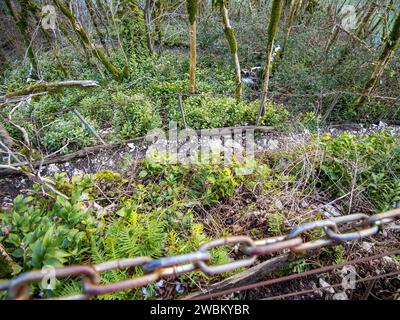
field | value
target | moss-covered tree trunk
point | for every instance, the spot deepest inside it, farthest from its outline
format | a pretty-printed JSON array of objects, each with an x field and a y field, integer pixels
[
  {"x": 192, "y": 7},
  {"x": 21, "y": 21},
  {"x": 230, "y": 36},
  {"x": 294, "y": 6},
  {"x": 390, "y": 47},
  {"x": 148, "y": 8},
  {"x": 272, "y": 30},
  {"x": 360, "y": 32},
  {"x": 158, "y": 22},
  {"x": 87, "y": 41},
  {"x": 104, "y": 19},
  {"x": 132, "y": 25},
  {"x": 93, "y": 18}
]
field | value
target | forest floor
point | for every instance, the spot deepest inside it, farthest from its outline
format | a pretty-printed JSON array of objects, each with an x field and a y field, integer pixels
[
  {"x": 124, "y": 158},
  {"x": 118, "y": 158}
]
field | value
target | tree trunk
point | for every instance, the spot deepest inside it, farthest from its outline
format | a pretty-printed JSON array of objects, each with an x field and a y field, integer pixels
[
  {"x": 148, "y": 8},
  {"x": 230, "y": 36},
  {"x": 21, "y": 21},
  {"x": 293, "y": 10},
  {"x": 100, "y": 34},
  {"x": 86, "y": 40},
  {"x": 391, "y": 46},
  {"x": 361, "y": 27},
  {"x": 192, "y": 58},
  {"x": 272, "y": 30},
  {"x": 192, "y": 8},
  {"x": 103, "y": 16},
  {"x": 158, "y": 23},
  {"x": 34, "y": 8}
]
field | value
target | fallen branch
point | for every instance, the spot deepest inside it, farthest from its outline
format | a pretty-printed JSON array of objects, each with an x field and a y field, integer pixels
[
  {"x": 51, "y": 87},
  {"x": 8, "y": 100}
]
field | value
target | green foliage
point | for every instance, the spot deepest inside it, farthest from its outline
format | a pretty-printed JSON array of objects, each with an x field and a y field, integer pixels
[
  {"x": 371, "y": 161},
  {"x": 275, "y": 114},
  {"x": 135, "y": 118},
  {"x": 205, "y": 112},
  {"x": 210, "y": 112},
  {"x": 336, "y": 254},
  {"x": 66, "y": 130},
  {"x": 368, "y": 164},
  {"x": 311, "y": 121},
  {"x": 298, "y": 266},
  {"x": 276, "y": 223},
  {"x": 151, "y": 233},
  {"x": 48, "y": 234},
  {"x": 208, "y": 183}
]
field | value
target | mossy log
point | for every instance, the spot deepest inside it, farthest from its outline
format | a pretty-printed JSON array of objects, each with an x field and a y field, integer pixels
[{"x": 52, "y": 87}]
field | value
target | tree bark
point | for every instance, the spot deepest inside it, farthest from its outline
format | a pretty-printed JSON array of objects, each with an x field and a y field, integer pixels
[
  {"x": 100, "y": 34},
  {"x": 230, "y": 36},
  {"x": 272, "y": 30},
  {"x": 158, "y": 23},
  {"x": 148, "y": 8},
  {"x": 334, "y": 36},
  {"x": 391, "y": 46},
  {"x": 293, "y": 11},
  {"x": 361, "y": 27},
  {"x": 21, "y": 21}
]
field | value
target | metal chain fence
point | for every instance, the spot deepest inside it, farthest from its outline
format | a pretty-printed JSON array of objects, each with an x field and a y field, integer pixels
[{"x": 335, "y": 230}]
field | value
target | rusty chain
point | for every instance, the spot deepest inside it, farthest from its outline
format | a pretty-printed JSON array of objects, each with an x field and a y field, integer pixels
[{"x": 335, "y": 230}]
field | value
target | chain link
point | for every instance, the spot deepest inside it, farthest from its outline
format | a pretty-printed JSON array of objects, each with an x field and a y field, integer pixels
[{"x": 338, "y": 229}]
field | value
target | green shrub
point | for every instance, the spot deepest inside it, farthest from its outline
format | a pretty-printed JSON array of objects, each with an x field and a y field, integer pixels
[
  {"x": 209, "y": 112},
  {"x": 205, "y": 182},
  {"x": 48, "y": 236},
  {"x": 67, "y": 129},
  {"x": 275, "y": 114},
  {"x": 370, "y": 161},
  {"x": 135, "y": 118}
]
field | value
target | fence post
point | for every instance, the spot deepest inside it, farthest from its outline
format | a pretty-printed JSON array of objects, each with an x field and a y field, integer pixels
[
  {"x": 182, "y": 111},
  {"x": 88, "y": 126}
]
